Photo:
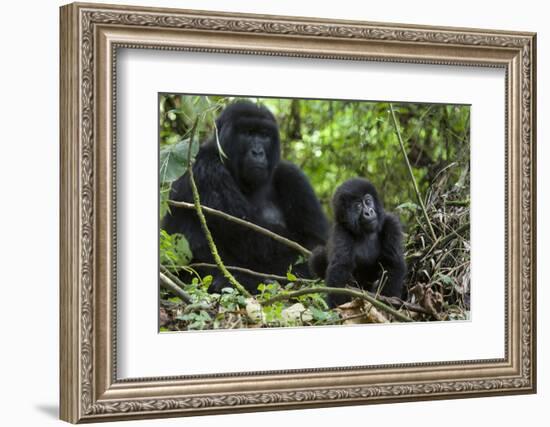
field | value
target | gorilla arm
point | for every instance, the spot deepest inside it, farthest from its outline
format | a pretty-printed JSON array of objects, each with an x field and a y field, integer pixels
[
  {"x": 217, "y": 190},
  {"x": 341, "y": 263},
  {"x": 301, "y": 209},
  {"x": 392, "y": 258}
]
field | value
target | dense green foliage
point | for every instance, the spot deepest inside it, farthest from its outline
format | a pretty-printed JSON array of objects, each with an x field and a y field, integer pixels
[{"x": 333, "y": 140}]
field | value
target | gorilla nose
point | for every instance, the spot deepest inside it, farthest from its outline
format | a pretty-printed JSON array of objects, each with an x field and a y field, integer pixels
[
  {"x": 368, "y": 212},
  {"x": 258, "y": 153}
]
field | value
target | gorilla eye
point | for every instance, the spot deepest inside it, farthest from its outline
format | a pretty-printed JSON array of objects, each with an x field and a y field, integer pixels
[{"x": 258, "y": 132}]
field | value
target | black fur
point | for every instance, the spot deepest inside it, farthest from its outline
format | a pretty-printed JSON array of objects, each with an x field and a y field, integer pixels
[
  {"x": 363, "y": 239},
  {"x": 252, "y": 183}
]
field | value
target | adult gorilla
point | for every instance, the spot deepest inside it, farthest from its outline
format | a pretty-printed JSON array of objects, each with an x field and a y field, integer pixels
[{"x": 252, "y": 183}]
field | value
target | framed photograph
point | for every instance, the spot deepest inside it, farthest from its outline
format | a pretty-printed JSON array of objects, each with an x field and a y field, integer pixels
[
  {"x": 293, "y": 271},
  {"x": 266, "y": 212}
]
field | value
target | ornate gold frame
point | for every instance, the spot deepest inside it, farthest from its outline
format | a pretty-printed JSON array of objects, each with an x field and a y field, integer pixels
[{"x": 90, "y": 35}]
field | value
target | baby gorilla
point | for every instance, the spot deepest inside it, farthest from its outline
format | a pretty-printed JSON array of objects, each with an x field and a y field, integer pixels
[{"x": 363, "y": 242}]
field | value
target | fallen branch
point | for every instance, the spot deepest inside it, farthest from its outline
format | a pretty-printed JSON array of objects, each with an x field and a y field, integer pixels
[
  {"x": 455, "y": 233},
  {"x": 172, "y": 276},
  {"x": 252, "y": 226},
  {"x": 198, "y": 306},
  {"x": 415, "y": 185},
  {"x": 443, "y": 240},
  {"x": 198, "y": 208},
  {"x": 250, "y": 272},
  {"x": 394, "y": 301},
  {"x": 169, "y": 285},
  {"x": 341, "y": 291},
  {"x": 399, "y": 303}
]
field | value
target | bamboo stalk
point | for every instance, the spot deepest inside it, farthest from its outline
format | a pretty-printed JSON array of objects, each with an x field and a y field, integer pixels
[{"x": 415, "y": 185}]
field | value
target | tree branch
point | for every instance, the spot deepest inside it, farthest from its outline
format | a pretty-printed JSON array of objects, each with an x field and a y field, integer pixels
[
  {"x": 251, "y": 272},
  {"x": 394, "y": 301},
  {"x": 290, "y": 243},
  {"x": 399, "y": 303},
  {"x": 342, "y": 291},
  {"x": 198, "y": 208},
  {"x": 169, "y": 285},
  {"x": 164, "y": 270}
]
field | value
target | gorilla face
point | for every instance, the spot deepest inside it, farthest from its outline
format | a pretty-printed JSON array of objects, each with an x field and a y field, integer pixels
[
  {"x": 255, "y": 168},
  {"x": 250, "y": 137},
  {"x": 366, "y": 210},
  {"x": 357, "y": 207}
]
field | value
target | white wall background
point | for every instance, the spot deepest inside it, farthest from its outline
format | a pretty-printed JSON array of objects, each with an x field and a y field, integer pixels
[{"x": 29, "y": 170}]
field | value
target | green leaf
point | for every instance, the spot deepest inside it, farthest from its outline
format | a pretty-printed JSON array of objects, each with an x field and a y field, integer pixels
[
  {"x": 173, "y": 160},
  {"x": 445, "y": 279},
  {"x": 408, "y": 205},
  {"x": 291, "y": 277},
  {"x": 174, "y": 250},
  {"x": 183, "y": 250}
]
